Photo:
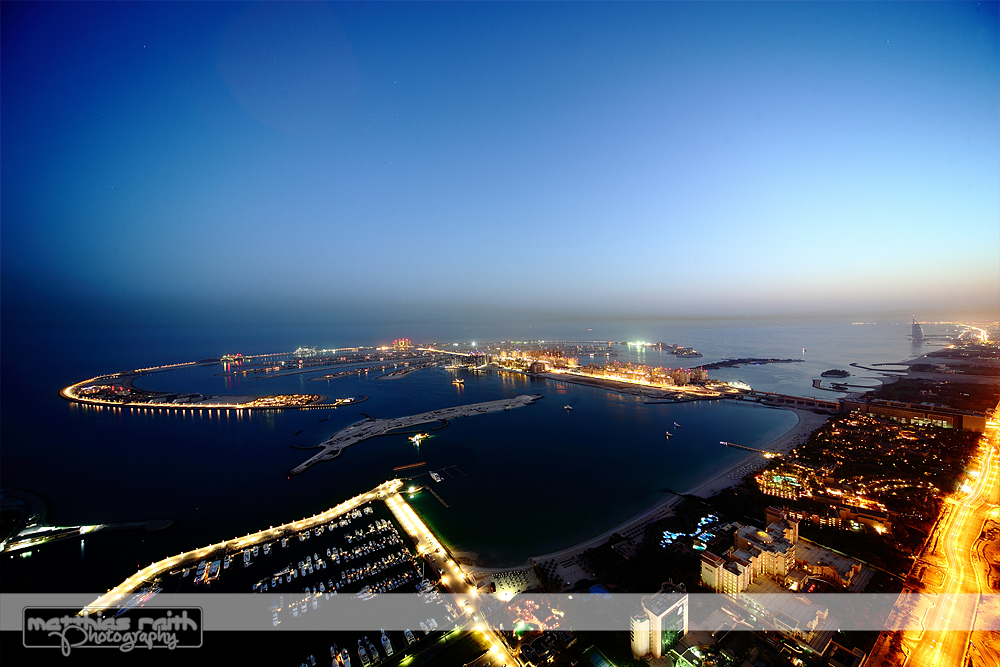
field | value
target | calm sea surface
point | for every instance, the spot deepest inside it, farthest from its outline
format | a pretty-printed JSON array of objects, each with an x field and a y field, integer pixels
[{"x": 536, "y": 479}]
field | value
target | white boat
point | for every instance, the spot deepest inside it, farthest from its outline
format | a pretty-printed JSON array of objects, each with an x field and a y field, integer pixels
[
  {"x": 346, "y": 657},
  {"x": 363, "y": 654},
  {"x": 409, "y": 636},
  {"x": 568, "y": 407},
  {"x": 423, "y": 626},
  {"x": 374, "y": 651},
  {"x": 436, "y": 477},
  {"x": 677, "y": 425},
  {"x": 386, "y": 644},
  {"x": 669, "y": 434}
]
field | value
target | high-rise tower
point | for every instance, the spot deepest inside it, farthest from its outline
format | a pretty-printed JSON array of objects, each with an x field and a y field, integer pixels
[{"x": 918, "y": 332}]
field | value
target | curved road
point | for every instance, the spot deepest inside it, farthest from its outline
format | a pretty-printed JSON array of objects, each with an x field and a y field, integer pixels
[{"x": 948, "y": 625}]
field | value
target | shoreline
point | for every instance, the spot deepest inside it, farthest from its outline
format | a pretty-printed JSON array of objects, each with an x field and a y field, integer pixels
[
  {"x": 671, "y": 394},
  {"x": 634, "y": 526},
  {"x": 371, "y": 427}
]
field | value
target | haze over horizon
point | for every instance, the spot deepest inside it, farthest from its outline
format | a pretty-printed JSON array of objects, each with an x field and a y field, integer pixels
[{"x": 306, "y": 161}]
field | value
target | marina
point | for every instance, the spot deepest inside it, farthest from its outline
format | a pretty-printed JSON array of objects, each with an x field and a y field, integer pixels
[{"x": 362, "y": 548}]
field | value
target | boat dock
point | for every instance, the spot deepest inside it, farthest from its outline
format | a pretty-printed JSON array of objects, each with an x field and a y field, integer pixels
[{"x": 435, "y": 494}]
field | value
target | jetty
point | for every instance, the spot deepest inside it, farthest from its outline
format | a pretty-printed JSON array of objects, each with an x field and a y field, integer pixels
[{"x": 767, "y": 454}]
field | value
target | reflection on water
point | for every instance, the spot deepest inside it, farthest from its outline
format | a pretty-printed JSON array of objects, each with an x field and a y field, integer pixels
[{"x": 222, "y": 472}]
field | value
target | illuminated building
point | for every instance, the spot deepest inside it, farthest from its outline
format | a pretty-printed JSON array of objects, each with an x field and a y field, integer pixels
[
  {"x": 755, "y": 552},
  {"x": 640, "y": 635},
  {"x": 836, "y": 516},
  {"x": 663, "y": 623},
  {"x": 921, "y": 414}
]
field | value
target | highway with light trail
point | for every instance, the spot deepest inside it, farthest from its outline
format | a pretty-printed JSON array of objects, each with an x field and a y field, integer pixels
[{"x": 949, "y": 612}]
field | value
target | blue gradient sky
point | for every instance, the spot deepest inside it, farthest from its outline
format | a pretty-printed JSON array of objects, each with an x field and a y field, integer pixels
[{"x": 302, "y": 159}]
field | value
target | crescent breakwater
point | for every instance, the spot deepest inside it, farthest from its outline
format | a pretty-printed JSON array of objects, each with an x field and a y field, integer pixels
[
  {"x": 118, "y": 390},
  {"x": 371, "y": 427}
]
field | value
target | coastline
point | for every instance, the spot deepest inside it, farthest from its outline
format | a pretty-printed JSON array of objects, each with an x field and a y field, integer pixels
[
  {"x": 675, "y": 395},
  {"x": 566, "y": 561},
  {"x": 808, "y": 422}
]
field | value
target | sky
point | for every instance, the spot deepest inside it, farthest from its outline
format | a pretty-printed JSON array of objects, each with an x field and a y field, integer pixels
[{"x": 299, "y": 160}]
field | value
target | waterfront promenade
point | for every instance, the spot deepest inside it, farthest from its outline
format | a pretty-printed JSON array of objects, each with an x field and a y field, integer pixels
[{"x": 115, "y": 596}]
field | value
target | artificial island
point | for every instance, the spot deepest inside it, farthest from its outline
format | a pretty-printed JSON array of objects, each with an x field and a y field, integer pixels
[{"x": 874, "y": 486}]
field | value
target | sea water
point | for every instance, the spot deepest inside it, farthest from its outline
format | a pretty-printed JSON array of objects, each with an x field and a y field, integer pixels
[{"x": 518, "y": 483}]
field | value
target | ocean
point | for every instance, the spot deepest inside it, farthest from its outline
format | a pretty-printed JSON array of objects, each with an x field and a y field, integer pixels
[{"x": 524, "y": 482}]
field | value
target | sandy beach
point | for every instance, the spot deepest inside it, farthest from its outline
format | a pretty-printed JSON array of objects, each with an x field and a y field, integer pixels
[
  {"x": 807, "y": 423},
  {"x": 567, "y": 562}
]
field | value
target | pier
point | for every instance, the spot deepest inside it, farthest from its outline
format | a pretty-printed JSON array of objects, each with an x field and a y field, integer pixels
[
  {"x": 766, "y": 453},
  {"x": 435, "y": 494}
]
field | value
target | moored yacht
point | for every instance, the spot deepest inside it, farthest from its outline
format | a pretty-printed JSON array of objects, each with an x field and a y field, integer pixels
[{"x": 376, "y": 657}]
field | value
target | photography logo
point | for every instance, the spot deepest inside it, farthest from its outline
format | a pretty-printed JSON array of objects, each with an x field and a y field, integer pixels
[{"x": 145, "y": 628}]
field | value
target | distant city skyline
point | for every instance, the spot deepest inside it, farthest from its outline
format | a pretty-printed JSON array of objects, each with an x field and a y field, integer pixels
[{"x": 304, "y": 161}]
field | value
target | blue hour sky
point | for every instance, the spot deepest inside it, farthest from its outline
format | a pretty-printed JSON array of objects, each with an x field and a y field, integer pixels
[{"x": 289, "y": 160}]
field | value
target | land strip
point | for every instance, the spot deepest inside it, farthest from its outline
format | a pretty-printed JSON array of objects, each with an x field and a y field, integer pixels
[
  {"x": 747, "y": 361},
  {"x": 371, "y": 427},
  {"x": 118, "y": 390},
  {"x": 676, "y": 394}
]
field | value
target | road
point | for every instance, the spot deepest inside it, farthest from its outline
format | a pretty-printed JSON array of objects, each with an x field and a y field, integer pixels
[
  {"x": 954, "y": 588},
  {"x": 454, "y": 579}
]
